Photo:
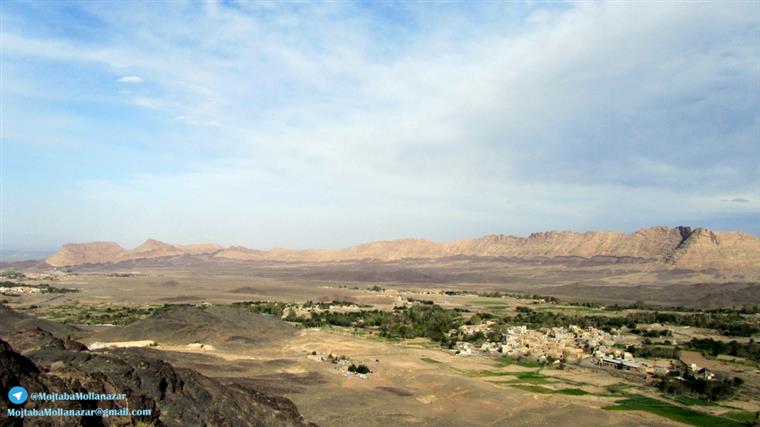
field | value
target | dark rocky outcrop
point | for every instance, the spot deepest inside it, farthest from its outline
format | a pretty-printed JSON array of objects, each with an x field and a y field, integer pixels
[{"x": 45, "y": 362}]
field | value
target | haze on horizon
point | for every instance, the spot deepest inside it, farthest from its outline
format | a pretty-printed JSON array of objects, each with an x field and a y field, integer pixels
[{"x": 330, "y": 124}]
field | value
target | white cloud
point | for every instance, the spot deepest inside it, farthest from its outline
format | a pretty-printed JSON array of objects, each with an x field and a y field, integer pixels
[
  {"x": 147, "y": 102},
  {"x": 196, "y": 122},
  {"x": 736, "y": 200},
  {"x": 131, "y": 79},
  {"x": 592, "y": 115}
]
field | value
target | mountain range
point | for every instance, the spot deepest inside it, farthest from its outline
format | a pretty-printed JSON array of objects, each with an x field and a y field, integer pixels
[{"x": 684, "y": 247}]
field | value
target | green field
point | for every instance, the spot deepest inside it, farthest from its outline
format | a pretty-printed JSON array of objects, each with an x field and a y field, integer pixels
[
  {"x": 673, "y": 412},
  {"x": 578, "y": 309},
  {"x": 689, "y": 401},
  {"x": 98, "y": 314},
  {"x": 519, "y": 377},
  {"x": 488, "y": 373},
  {"x": 742, "y": 416},
  {"x": 544, "y": 390}
]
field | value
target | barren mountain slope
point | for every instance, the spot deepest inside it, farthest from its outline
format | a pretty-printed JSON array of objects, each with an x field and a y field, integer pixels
[
  {"x": 706, "y": 249},
  {"x": 650, "y": 243},
  {"x": 107, "y": 252},
  {"x": 86, "y": 253},
  {"x": 680, "y": 246},
  {"x": 153, "y": 248},
  {"x": 201, "y": 248}
]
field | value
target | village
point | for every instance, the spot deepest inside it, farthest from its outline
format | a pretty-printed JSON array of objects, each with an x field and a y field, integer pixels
[
  {"x": 556, "y": 346},
  {"x": 16, "y": 284},
  {"x": 19, "y": 290},
  {"x": 589, "y": 347},
  {"x": 16, "y": 289}
]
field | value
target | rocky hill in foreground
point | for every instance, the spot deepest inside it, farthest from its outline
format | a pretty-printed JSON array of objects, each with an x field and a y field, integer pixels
[
  {"x": 682, "y": 247},
  {"x": 33, "y": 353}
]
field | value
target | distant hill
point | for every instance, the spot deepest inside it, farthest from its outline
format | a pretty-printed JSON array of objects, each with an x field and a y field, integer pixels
[
  {"x": 73, "y": 254},
  {"x": 86, "y": 253},
  {"x": 16, "y": 255},
  {"x": 682, "y": 247}
]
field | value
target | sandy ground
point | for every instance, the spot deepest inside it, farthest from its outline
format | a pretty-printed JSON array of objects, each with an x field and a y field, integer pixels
[{"x": 404, "y": 388}]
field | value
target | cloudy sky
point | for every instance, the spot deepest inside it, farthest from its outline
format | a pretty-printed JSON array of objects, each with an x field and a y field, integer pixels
[{"x": 328, "y": 124}]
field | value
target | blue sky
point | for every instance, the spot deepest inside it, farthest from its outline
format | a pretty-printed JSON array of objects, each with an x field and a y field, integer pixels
[{"x": 329, "y": 124}]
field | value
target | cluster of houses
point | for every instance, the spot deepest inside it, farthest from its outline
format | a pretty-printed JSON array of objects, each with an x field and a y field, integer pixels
[
  {"x": 403, "y": 298},
  {"x": 341, "y": 363},
  {"x": 562, "y": 343},
  {"x": 19, "y": 290},
  {"x": 623, "y": 360},
  {"x": 571, "y": 344},
  {"x": 17, "y": 287},
  {"x": 470, "y": 330},
  {"x": 700, "y": 372},
  {"x": 617, "y": 359},
  {"x": 48, "y": 275},
  {"x": 306, "y": 311}
]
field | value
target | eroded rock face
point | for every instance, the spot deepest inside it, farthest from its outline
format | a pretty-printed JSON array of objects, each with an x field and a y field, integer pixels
[
  {"x": 86, "y": 253},
  {"x": 649, "y": 244},
  {"x": 680, "y": 246},
  {"x": 706, "y": 249},
  {"x": 74, "y": 254},
  {"x": 176, "y": 397}
]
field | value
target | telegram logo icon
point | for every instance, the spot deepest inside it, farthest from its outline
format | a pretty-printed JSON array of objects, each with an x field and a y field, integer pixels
[{"x": 17, "y": 395}]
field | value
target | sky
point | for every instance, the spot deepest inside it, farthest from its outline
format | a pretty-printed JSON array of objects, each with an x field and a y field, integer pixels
[{"x": 327, "y": 124}]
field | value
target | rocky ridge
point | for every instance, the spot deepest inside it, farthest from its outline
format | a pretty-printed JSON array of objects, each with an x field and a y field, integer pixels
[{"x": 683, "y": 247}]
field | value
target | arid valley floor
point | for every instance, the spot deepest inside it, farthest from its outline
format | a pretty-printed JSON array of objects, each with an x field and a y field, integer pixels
[{"x": 227, "y": 321}]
